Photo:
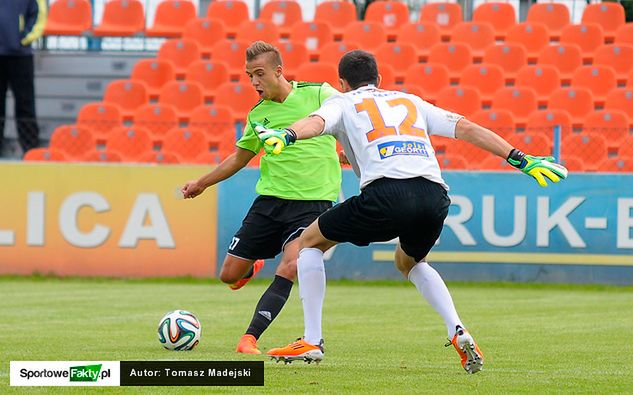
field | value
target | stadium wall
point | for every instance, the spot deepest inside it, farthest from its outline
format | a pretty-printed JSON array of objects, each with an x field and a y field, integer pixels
[
  {"x": 501, "y": 227},
  {"x": 126, "y": 221}
]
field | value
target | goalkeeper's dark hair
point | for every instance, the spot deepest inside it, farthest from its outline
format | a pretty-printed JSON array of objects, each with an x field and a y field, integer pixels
[
  {"x": 260, "y": 48},
  {"x": 358, "y": 68}
]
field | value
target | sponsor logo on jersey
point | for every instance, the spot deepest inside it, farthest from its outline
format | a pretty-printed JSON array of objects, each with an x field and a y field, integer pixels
[{"x": 393, "y": 148}]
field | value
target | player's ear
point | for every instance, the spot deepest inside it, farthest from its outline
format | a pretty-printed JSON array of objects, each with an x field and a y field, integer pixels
[
  {"x": 378, "y": 81},
  {"x": 279, "y": 71},
  {"x": 345, "y": 85}
]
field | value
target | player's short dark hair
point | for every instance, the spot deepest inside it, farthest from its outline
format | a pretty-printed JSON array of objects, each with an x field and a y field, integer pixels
[
  {"x": 260, "y": 48},
  {"x": 358, "y": 68}
]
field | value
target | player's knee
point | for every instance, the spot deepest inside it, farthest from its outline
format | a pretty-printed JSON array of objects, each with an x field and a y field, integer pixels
[
  {"x": 228, "y": 276},
  {"x": 287, "y": 269}
]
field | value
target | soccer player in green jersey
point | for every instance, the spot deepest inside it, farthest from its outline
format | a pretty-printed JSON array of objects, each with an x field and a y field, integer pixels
[{"x": 294, "y": 188}]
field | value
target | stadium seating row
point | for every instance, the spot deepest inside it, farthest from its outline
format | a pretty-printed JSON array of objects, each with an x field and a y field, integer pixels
[{"x": 126, "y": 17}]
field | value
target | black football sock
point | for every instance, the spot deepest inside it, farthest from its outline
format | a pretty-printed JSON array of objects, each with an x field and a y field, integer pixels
[{"x": 269, "y": 306}]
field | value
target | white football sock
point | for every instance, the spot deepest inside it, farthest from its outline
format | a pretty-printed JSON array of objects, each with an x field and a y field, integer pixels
[
  {"x": 311, "y": 275},
  {"x": 429, "y": 283}
]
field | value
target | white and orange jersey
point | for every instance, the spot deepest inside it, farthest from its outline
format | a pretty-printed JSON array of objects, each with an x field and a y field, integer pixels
[{"x": 386, "y": 133}]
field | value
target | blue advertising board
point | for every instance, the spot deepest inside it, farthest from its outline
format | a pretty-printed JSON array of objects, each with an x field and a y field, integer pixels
[{"x": 501, "y": 227}]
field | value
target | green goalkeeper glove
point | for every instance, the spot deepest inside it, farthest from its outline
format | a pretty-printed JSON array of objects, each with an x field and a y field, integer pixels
[
  {"x": 538, "y": 167},
  {"x": 278, "y": 139}
]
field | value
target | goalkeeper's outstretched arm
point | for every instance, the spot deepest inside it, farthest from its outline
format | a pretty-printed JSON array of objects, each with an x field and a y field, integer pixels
[{"x": 541, "y": 168}]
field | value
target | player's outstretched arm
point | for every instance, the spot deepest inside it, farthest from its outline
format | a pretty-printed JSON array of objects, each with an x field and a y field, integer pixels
[
  {"x": 541, "y": 168},
  {"x": 279, "y": 139},
  {"x": 229, "y": 166}
]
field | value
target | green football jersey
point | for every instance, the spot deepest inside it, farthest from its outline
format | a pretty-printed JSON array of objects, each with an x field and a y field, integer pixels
[{"x": 306, "y": 170}]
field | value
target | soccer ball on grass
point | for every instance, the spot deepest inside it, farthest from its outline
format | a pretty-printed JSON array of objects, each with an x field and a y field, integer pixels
[{"x": 179, "y": 330}]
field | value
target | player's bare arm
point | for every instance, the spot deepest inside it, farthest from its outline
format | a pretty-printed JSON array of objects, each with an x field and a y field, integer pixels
[
  {"x": 483, "y": 138},
  {"x": 229, "y": 166}
]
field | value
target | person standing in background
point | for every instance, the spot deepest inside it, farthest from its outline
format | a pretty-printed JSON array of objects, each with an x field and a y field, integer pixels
[{"x": 21, "y": 23}]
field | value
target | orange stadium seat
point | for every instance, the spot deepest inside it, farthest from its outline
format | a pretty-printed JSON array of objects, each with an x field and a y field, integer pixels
[
  {"x": 398, "y": 56},
  {"x": 574, "y": 163},
  {"x": 100, "y": 118},
  {"x": 477, "y": 35},
  {"x": 532, "y": 35},
  {"x": 105, "y": 156},
  {"x": 368, "y": 35},
  {"x": 621, "y": 99},
  {"x": 183, "y": 95},
  {"x": 45, "y": 155},
  {"x": 493, "y": 163},
  {"x": 511, "y": 57},
  {"x": 565, "y": 57},
  {"x": 391, "y": 14},
  {"x": 554, "y": 15},
  {"x": 500, "y": 15},
  {"x": 73, "y": 140},
  {"x": 159, "y": 157},
  {"x": 293, "y": 55},
  {"x": 617, "y": 165},
  {"x": 206, "y": 32},
  {"x": 624, "y": 34},
  {"x": 210, "y": 74},
  {"x": 130, "y": 142},
  {"x": 608, "y": 15},
  {"x": 231, "y": 12},
  {"x": 69, "y": 18},
  {"x": 154, "y": 73},
  {"x": 250, "y": 31},
  {"x": 387, "y": 73},
  {"x": 181, "y": 53},
  {"x": 454, "y": 56},
  {"x": 214, "y": 121},
  {"x": 338, "y": 14},
  {"x": 121, "y": 18},
  {"x": 544, "y": 121},
  {"x": 578, "y": 102},
  {"x": 156, "y": 118},
  {"x": 612, "y": 124},
  {"x": 591, "y": 147},
  {"x": 543, "y": 78},
  {"x": 462, "y": 100},
  {"x": 499, "y": 121},
  {"x": 535, "y": 144},
  {"x": 283, "y": 14},
  {"x": 430, "y": 77},
  {"x": 127, "y": 94},
  {"x": 444, "y": 15},
  {"x": 240, "y": 98},
  {"x": 452, "y": 162},
  {"x": 170, "y": 18},
  {"x": 233, "y": 53},
  {"x": 520, "y": 101},
  {"x": 599, "y": 79},
  {"x": 423, "y": 35},
  {"x": 618, "y": 56},
  {"x": 626, "y": 149},
  {"x": 187, "y": 143},
  {"x": 588, "y": 36},
  {"x": 313, "y": 35},
  {"x": 318, "y": 72},
  {"x": 487, "y": 78},
  {"x": 333, "y": 51}
]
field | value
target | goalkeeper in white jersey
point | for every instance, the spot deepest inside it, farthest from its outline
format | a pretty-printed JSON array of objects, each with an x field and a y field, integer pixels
[{"x": 385, "y": 135}]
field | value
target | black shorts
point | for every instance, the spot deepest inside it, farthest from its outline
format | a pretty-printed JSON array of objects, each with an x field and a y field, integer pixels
[
  {"x": 412, "y": 209},
  {"x": 271, "y": 223}
]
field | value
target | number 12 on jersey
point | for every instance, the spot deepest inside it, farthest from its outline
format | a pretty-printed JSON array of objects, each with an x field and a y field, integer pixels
[{"x": 378, "y": 123}]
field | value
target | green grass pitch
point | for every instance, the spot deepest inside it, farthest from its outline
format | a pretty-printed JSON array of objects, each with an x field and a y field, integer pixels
[{"x": 380, "y": 337}]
